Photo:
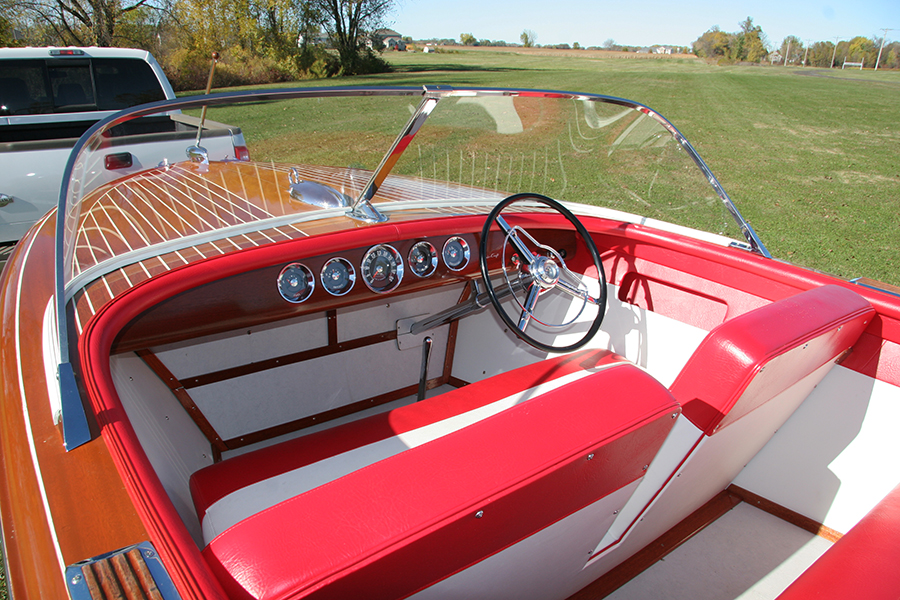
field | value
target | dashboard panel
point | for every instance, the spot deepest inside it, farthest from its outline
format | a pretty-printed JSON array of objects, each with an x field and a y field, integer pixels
[{"x": 297, "y": 280}]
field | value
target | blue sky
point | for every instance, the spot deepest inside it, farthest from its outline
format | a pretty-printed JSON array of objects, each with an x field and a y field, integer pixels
[{"x": 591, "y": 22}]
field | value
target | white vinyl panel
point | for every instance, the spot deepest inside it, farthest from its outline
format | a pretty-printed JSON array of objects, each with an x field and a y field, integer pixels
[
  {"x": 268, "y": 398},
  {"x": 382, "y": 315},
  {"x": 223, "y": 351},
  {"x": 173, "y": 443},
  {"x": 659, "y": 344},
  {"x": 835, "y": 459}
]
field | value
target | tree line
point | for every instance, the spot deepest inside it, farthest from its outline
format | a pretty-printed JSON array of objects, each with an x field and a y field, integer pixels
[
  {"x": 751, "y": 45},
  {"x": 259, "y": 41}
]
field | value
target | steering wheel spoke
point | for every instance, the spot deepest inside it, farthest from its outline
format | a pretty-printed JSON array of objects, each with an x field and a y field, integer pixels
[
  {"x": 576, "y": 291},
  {"x": 512, "y": 235},
  {"x": 538, "y": 270},
  {"x": 528, "y": 308}
]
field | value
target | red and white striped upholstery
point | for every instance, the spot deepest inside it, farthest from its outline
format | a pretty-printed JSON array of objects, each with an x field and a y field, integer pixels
[{"x": 414, "y": 495}]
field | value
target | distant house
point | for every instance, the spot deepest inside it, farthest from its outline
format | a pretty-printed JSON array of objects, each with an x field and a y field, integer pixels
[
  {"x": 316, "y": 39},
  {"x": 390, "y": 38}
]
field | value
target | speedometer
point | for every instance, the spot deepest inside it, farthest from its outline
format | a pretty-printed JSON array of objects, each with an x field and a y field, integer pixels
[{"x": 382, "y": 268}]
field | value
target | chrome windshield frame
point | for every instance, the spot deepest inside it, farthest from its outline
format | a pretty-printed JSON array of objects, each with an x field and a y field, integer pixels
[{"x": 75, "y": 427}]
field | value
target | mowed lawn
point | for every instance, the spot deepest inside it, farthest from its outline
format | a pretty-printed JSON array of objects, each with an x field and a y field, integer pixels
[{"x": 811, "y": 157}]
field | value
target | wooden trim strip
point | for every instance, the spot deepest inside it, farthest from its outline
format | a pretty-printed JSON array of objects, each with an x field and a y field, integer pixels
[
  {"x": 451, "y": 339},
  {"x": 177, "y": 388},
  {"x": 659, "y": 548},
  {"x": 457, "y": 382},
  {"x": 288, "y": 359},
  {"x": 786, "y": 514}
]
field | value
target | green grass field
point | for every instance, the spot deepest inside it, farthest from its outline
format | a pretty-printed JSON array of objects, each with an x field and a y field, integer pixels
[{"x": 811, "y": 157}]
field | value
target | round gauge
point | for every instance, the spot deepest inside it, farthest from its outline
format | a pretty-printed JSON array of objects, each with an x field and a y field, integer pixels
[
  {"x": 382, "y": 268},
  {"x": 338, "y": 276},
  {"x": 456, "y": 253},
  {"x": 423, "y": 259},
  {"x": 296, "y": 283}
]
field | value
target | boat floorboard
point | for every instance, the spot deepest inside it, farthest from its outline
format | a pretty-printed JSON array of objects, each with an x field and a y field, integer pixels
[{"x": 746, "y": 554}]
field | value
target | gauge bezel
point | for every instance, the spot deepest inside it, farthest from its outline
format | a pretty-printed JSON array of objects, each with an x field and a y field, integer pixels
[
  {"x": 467, "y": 253},
  {"x": 310, "y": 280},
  {"x": 397, "y": 260},
  {"x": 351, "y": 271},
  {"x": 434, "y": 259}
]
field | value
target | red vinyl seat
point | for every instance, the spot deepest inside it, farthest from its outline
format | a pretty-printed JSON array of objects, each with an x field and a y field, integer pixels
[
  {"x": 404, "y": 522},
  {"x": 862, "y": 564}
]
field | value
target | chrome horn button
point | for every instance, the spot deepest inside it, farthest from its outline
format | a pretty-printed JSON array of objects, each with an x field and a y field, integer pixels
[{"x": 545, "y": 272}]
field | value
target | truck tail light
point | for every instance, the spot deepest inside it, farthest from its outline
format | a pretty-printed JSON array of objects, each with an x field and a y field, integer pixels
[
  {"x": 120, "y": 160},
  {"x": 242, "y": 153}
]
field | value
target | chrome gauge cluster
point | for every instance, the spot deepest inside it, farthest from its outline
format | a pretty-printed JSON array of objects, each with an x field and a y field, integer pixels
[{"x": 381, "y": 267}]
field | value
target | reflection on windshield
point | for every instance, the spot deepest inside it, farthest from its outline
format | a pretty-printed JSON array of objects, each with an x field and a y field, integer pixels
[{"x": 570, "y": 149}]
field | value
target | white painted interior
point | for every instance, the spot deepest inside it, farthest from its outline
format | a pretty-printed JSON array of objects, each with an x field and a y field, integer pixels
[
  {"x": 835, "y": 459},
  {"x": 171, "y": 440},
  {"x": 745, "y": 555},
  {"x": 544, "y": 566}
]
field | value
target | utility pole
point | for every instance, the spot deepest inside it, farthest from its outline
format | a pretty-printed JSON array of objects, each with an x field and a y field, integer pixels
[
  {"x": 805, "y": 54},
  {"x": 788, "y": 53},
  {"x": 878, "y": 60},
  {"x": 834, "y": 53}
]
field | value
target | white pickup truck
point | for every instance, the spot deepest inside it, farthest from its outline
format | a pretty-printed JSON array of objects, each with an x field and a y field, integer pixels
[{"x": 50, "y": 96}]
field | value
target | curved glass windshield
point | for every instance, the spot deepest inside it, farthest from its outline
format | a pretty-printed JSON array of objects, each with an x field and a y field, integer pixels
[{"x": 142, "y": 183}]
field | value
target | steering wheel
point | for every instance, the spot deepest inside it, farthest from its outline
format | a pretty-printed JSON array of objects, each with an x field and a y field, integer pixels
[{"x": 536, "y": 269}]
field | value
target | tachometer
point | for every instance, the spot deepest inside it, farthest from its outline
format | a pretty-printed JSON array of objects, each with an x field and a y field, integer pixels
[
  {"x": 382, "y": 268},
  {"x": 455, "y": 253},
  {"x": 423, "y": 259},
  {"x": 296, "y": 283},
  {"x": 338, "y": 276}
]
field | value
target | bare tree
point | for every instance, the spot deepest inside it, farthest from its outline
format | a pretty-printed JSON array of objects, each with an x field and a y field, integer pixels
[
  {"x": 528, "y": 38},
  {"x": 84, "y": 23}
]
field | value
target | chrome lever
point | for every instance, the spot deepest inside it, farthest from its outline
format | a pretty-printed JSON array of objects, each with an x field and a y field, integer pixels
[{"x": 423, "y": 374}]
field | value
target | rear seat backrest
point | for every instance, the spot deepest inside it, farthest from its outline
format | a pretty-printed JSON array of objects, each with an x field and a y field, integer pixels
[{"x": 748, "y": 360}]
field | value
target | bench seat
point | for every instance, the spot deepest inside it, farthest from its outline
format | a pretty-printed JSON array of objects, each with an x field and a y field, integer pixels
[{"x": 536, "y": 445}]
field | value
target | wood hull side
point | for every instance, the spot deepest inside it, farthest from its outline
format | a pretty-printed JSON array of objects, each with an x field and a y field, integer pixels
[{"x": 57, "y": 508}]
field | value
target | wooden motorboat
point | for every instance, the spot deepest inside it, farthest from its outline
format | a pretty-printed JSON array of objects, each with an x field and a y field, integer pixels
[{"x": 439, "y": 343}]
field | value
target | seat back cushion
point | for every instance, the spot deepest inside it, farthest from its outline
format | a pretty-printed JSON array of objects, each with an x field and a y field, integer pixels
[
  {"x": 398, "y": 525},
  {"x": 746, "y": 361}
]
